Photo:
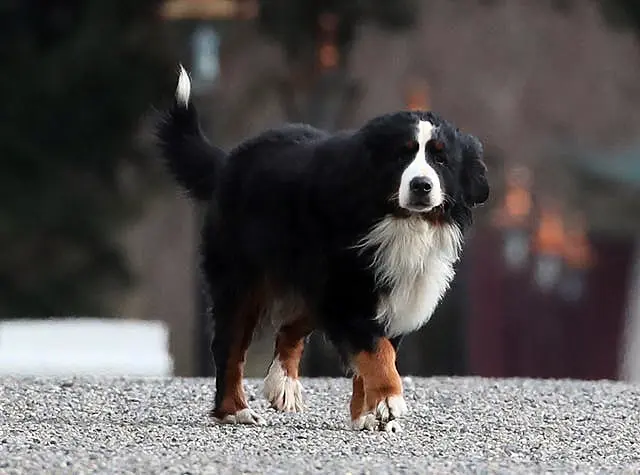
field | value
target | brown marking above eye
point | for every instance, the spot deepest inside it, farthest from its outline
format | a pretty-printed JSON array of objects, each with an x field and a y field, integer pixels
[
  {"x": 436, "y": 150},
  {"x": 437, "y": 145},
  {"x": 411, "y": 145}
]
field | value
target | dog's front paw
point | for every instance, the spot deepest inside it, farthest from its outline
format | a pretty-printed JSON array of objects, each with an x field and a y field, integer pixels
[
  {"x": 391, "y": 408},
  {"x": 383, "y": 416},
  {"x": 365, "y": 422},
  {"x": 391, "y": 426},
  {"x": 370, "y": 423}
]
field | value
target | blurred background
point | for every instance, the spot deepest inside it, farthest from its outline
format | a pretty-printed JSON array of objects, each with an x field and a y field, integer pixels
[{"x": 98, "y": 248}]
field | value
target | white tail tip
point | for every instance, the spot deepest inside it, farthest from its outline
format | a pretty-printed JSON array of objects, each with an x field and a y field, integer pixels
[{"x": 183, "y": 91}]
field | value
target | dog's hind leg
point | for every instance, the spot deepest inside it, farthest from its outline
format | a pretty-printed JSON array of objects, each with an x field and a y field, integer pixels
[
  {"x": 282, "y": 387},
  {"x": 236, "y": 316}
]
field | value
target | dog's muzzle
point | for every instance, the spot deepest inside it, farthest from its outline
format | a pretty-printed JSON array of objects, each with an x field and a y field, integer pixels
[{"x": 420, "y": 189}]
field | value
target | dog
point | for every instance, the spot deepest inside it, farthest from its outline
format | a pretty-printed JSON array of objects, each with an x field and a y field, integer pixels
[{"x": 354, "y": 234}]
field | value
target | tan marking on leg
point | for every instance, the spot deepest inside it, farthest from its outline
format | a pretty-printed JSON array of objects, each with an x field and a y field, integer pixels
[
  {"x": 382, "y": 386},
  {"x": 234, "y": 399},
  {"x": 290, "y": 345},
  {"x": 378, "y": 372},
  {"x": 281, "y": 386},
  {"x": 356, "y": 407}
]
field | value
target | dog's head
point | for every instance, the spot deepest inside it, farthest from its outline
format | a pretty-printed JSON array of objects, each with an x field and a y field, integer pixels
[{"x": 424, "y": 163}]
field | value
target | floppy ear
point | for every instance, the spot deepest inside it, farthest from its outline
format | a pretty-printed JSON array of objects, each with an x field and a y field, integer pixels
[{"x": 474, "y": 174}]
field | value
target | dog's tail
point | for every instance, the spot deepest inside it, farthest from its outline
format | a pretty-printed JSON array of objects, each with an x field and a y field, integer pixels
[{"x": 194, "y": 162}]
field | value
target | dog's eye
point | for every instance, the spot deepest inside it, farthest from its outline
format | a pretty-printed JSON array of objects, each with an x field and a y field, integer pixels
[
  {"x": 410, "y": 147},
  {"x": 436, "y": 150}
]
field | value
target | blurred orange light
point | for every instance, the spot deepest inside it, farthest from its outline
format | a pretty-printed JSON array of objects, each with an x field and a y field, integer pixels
[
  {"x": 198, "y": 9},
  {"x": 518, "y": 202},
  {"x": 550, "y": 235},
  {"x": 418, "y": 100},
  {"x": 209, "y": 9},
  {"x": 329, "y": 56},
  {"x": 577, "y": 250},
  {"x": 417, "y": 95}
]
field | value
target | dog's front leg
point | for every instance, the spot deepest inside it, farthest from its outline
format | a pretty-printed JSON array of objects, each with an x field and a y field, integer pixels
[{"x": 377, "y": 401}]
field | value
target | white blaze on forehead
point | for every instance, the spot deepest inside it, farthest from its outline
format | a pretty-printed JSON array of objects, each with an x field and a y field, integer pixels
[
  {"x": 425, "y": 133},
  {"x": 419, "y": 167}
]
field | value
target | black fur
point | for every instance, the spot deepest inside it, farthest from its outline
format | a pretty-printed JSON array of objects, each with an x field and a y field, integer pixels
[
  {"x": 289, "y": 206},
  {"x": 180, "y": 135}
]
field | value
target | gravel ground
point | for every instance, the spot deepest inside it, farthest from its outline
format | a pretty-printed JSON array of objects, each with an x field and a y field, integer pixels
[{"x": 455, "y": 425}]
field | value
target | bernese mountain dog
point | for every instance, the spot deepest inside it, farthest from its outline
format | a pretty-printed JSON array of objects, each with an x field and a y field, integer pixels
[{"x": 353, "y": 234}]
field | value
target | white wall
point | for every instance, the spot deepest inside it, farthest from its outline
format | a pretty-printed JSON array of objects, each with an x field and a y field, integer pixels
[{"x": 84, "y": 346}]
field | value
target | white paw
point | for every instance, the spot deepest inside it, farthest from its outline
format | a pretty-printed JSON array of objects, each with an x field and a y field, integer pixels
[
  {"x": 243, "y": 416},
  {"x": 365, "y": 422},
  {"x": 392, "y": 426},
  {"x": 384, "y": 417},
  {"x": 391, "y": 408},
  {"x": 283, "y": 393}
]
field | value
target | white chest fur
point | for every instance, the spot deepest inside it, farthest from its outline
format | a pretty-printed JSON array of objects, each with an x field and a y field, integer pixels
[{"x": 415, "y": 260}]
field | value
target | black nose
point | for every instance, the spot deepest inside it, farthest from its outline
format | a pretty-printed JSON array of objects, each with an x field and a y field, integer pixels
[{"x": 420, "y": 184}]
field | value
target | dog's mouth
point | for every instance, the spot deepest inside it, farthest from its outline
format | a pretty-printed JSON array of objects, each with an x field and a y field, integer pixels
[
  {"x": 426, "y": 207},
  {"x": 421, "y": 206},
  {"x": 420, "y": 209}
]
